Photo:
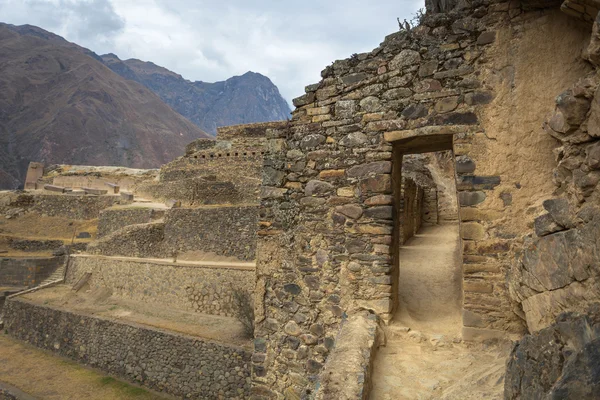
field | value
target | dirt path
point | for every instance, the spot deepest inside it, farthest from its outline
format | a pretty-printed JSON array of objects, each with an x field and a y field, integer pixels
[
  {"x": 47, "y": 377},
  {"x": 422, "y": 367},
  {"x": 424, "y": 357},
  {"x": 430, "y": 280}
]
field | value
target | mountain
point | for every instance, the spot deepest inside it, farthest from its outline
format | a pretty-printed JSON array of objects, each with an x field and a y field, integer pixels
[
  {"x": 59, "y": 103},
  {"x": 251, "y": 97}
]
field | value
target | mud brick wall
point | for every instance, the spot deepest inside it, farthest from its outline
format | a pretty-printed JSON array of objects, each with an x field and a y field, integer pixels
[
  {"x": 27, "y": 271},
  {"x": 72, "y": 207},
  {"x": 222, "y": 231},
  {"x": 461, "y": 81},
  {"x": 202, "y": 289},
  {"x": 183, "y": 366}
]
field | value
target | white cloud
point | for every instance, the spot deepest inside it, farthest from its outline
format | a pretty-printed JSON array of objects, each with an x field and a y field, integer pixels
[{"x": 290, "y": 42}]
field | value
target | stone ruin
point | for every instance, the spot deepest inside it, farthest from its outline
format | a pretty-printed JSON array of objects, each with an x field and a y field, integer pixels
[{"x": 487, "y": 112}]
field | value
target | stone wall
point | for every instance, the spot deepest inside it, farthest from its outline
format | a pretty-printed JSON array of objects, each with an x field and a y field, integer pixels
[
  {"x": 202, "y": 288},
  {"x": 347, "y": 373},
  {"x": 473, "y": 81},
  {"x": 113, "y": 219},
  {"x": 221, "y": 231},
  {"x": 140, "y": 240},
  {"x": 223, "y": 171},
  {"x": 410, "y": 209},
  {"x": 78, "y": 176},
  {"x": 195, "y": 191},
  {"x": 430, "y": 206},
  {"x": 558, "y": 362},
  {"x": 72, "y": 207},
  {"x": 559, "y": 267},
  {"x": 183, "y": 366},
  {"x": 247, "y": 135},
  {"x": 27, "y": 271}
]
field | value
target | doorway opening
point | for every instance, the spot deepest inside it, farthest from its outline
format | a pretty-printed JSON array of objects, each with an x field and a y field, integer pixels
[{"x": 427, "y": 246}]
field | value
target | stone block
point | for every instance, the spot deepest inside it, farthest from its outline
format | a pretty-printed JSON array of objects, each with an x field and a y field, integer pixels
[
  {"x": 304, "y": 99},
  {"x": 446, "y": 104},
  {"x": 377, "y": 306},
  {"x": 475, "y": 182},
  {"x": 379, "y": 212},
  {"x": 126, "y": 197},
  {"x": 472, "y": 319},
  {"x": 374, "y": 168},
  {"x": 472, "y": 231},
  {"x": 353, "y": 211},
  {"x": 375, "y": 229},
  {"x": 478, "y": 287},
  {"x": 332, "y": 173},
  {"x": 405, "y": 58},
  {"x": 316, "y": 187},
  {"x": 377, "y": 184},
  {"x": 486, "y": 38},
  {"x": 470, "y": 198},
  {"x": 464, "y": 165},
  {"x": 545, "y": 225},
  {"x": 379, "y": 200}
]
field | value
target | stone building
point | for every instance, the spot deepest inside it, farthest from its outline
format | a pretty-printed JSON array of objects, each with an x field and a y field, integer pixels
[{"x": 484, "y": 115}]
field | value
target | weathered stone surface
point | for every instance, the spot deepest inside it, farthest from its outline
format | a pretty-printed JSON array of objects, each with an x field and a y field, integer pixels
[
  {"x": 139, "y": 354},
  {"x": 354, "y": 139},
  {"x": 593, "y": 156},
  {"x": 486, "y": 38},
  {"x": 593, "y": 50},
  {"x": 545, "y": 225},
  {"x": 380, "y": 212},
  {"x": 553, "y": 274},
  {"x": 446, "y": 104},
  {"x": 379, "y": 167},
  {"x": 464, "y": 165},
  {"x": 315, "y": 187},
  {"x": 559, "y": 362},
  {"x": 470, "y": 198},
  {"x": 560, "y": 211},
  {"x": 379, "y": 200},
  {"x": 472, "y": 231},
  {"x": 405, "y": 58},
  {"x": 350, "y": 210}
]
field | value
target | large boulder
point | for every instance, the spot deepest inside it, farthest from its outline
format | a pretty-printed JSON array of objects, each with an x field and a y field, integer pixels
[{"x": 559, "y": 362}]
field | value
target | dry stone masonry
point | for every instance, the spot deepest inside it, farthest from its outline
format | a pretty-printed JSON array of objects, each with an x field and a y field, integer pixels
[
  {"x": 460, "y": 81},
  {"x": 501, "y": 95}
]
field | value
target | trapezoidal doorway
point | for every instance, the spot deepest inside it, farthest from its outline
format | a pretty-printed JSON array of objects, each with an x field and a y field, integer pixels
[{"x": 427, "y": 247}]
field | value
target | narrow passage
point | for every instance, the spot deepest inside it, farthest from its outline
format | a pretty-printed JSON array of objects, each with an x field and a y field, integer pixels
[{"x": 424, "y": 356}]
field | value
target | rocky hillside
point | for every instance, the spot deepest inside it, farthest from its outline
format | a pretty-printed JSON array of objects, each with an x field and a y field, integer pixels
[
  {"x": 242, "y": 99},
  {"x": 60, "y": 104}
]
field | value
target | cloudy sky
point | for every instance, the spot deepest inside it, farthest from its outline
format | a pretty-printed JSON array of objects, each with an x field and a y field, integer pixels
[{"x": 210, "y": 40}]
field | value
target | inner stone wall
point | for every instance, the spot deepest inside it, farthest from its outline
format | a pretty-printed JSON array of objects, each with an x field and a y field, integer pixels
[
  {"x": 327, "y": 220},
  {"x": 27, "y": 271},
  {"x": 410, "y": 209},
  {"x": 180, "y": 365},
  {"x": 203, "y": 289}
]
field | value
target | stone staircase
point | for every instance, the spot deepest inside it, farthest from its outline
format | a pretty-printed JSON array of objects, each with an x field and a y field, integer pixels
[{"x": 58, "y": 274}]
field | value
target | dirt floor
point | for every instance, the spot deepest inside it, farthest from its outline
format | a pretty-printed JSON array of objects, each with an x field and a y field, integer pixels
[
  {"x": 101, "y": 303},
  {"x": 49, "y": 377},
  {"x": 430, "y": 280},
  {"x": 417, "y": 366},
  {"x": 424, "y": 357}
]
